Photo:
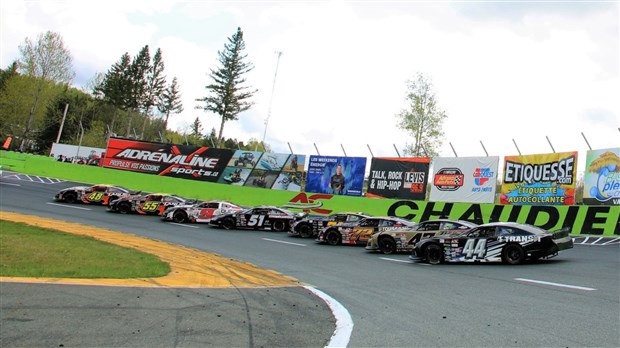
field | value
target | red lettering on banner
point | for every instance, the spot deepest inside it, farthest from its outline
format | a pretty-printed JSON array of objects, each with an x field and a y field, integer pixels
[{"x": 311, "y": 203}]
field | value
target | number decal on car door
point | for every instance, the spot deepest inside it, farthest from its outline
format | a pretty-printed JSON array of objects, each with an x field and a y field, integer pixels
[
  {"x": 475, "y": 248},
  {"x": 95, "y": 196},
  {"x": 150, "y": 206},
  {"x": 256, "y": 220}
]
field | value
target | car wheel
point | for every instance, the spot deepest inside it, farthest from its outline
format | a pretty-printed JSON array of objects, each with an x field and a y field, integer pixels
[
  {"x": 124, "y": 208},
  {"x": 70, "y": 197},
  {"x": 305, "y": 231},
  {"x": 387, "y": 245},
  {"x": 179, "y": 216},
  {"x": 332, "y": 237},
  {"x": 228, "y": 224},
  {"x": 433, "y": 254},
  {"x": 513, "y": 254},
  {"x": 278, "y": 226}
]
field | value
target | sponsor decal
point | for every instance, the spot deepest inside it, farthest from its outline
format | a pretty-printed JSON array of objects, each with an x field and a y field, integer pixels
[
  {"x": 448, "y": 179},
  {"x": 519, "y": 239},
  {"x": 415, "y": 181},
  {"x": 482, "y": 176},
  {"x": 308, "y": 203}
]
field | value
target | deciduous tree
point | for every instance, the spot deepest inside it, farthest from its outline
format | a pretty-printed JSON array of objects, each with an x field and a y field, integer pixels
[{"x": 422, "y": 119}]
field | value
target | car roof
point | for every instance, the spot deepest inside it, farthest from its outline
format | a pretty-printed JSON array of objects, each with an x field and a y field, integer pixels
[{"x": 525, "y": 227}]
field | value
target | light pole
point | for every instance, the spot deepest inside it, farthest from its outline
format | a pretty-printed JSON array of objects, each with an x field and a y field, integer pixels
[{"x": 273, "y": 87}]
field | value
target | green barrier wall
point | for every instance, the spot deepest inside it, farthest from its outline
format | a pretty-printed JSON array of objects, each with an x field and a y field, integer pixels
[{"x": 588, "y": 220}]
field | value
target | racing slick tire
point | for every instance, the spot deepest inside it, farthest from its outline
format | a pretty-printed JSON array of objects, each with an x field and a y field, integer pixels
[
  {"x": 124, "y": 208},
  {"x": 179, "y": 216},
  {"x": 332, "y": 237},
  {"x": 278, "y": 226},
  {"x": 513, "y": 254},
  {"x": 70, "y": 197},
  {"x": 433, "y": 254},
  {"x": 228, "y": 224},
  {"x": 387, "y": 245},
  {"x": 305, "y": 231}
]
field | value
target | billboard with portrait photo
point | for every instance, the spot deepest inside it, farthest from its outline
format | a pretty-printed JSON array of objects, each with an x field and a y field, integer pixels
[{"x": 336, "y": 175}]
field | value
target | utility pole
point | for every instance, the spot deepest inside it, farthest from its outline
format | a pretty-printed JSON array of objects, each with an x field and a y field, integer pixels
[{"x": 273, "y": 87}]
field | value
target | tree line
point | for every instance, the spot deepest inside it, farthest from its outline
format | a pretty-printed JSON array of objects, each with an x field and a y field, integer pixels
[{"x": 132, "y": 99}]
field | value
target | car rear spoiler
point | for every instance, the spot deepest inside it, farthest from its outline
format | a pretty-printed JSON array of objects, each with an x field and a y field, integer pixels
[{"x": 562, "y": 238}]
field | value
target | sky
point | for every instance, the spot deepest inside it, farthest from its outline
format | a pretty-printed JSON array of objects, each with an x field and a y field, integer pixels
[{"x": 511, "y": 76}]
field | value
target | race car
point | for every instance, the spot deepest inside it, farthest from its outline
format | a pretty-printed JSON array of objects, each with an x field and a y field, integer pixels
[
  {"x": 148, "y": 204},
  {"x": 392, "y": 241},
  {"x": 311, "y": 225},
  {"x": 96, "y": 194},
  {"x": 359, "y": 232},
  {"x": 508, "y": 242},
  {"x": 264, "y": 218},
  {"x": 199, "y": 212}
]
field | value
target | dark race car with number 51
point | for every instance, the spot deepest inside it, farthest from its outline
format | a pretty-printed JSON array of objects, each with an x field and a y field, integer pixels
[
  {"x": 258, "y": 218},
  {"x": 508, "y": 242},
  {"x": 96, "y": 194},
  {"x": 201, "y": 212},
  {"x": 149, "y": 204}
]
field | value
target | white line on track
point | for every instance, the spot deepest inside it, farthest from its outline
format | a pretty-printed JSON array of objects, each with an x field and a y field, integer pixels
[
  {"x": 68, "y": 206},
  {"x": 575, "y": 287},
  {"x": 10, "y": 184},
  {"x": 184, "y": 225},
  {"x": 395, "y": 260},
  {"x": 617, "y": 240},
  {"x": 283, "y": 242},
  {"x": 344, "y": 322}
]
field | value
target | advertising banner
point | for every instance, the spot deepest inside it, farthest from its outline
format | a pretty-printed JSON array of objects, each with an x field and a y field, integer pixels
[
  {"x": 543, "y": 179},
  {"x": 181, "y": 161},
  {"x": 267, "y": 170},
  {"x": 602, "y": 177},
  {"x": 464, "y": 179},
  {"x": 397, "y": 177},
  {"x": 74, "y": 153},
  {"x": 336, "y": 175}
]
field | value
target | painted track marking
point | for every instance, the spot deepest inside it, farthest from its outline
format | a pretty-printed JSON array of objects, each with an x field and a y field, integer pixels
[
  {"x": 395, "y": 260},
  {"x": 613, "y": 241},
  {"x": 575, "y": 287},
  {"x": 283, "y": 242},
  {"x": 344, "y": 322},
  {"x": 68, "y": 206},
  {"x": 184, "y": 225}
]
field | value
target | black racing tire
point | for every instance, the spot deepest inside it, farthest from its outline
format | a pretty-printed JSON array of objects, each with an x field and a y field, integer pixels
[
  {"x": 513, "y": 254},
  {"x": 228, "y": 223},
  {"x": 179, "y": 216},
  {"x": 433, "y": 254},
  {"x": 70, "y": 197},
  {"x": 305, "y": 230},
  {"x": 278, "y": 225},
  {"x": 124, "y": 207},
  {"x": 387, "y": 245},
  {"x": 333, "y": 237}
]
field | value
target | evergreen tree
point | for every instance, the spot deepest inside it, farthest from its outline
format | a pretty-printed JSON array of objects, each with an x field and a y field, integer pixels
[
  {"x": 6, "y": 74},
  {"x": 227, "y": 96},
  {"x": 155, "y": 84},
  {"x": 170, "y": 101}
]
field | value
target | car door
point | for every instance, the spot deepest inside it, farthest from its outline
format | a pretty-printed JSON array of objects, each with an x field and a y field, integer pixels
[{"x": 362, "y": 232}]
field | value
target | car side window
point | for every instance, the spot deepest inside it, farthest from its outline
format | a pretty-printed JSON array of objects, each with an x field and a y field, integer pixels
[
  {"x": 212, "y": 205},
  {"x": 429, "y": 226},
  {"x": 353, "y": 218}
]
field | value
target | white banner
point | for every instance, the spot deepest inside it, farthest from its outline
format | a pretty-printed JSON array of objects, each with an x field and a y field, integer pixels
[{"x": 464, "y": 179}]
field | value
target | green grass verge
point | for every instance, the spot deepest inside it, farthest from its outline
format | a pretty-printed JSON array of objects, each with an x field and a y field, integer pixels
[{"x": 28, "y": 251}]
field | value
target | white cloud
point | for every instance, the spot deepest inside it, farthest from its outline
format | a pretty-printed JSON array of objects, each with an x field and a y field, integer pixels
[{"x": 501, "y": 71}]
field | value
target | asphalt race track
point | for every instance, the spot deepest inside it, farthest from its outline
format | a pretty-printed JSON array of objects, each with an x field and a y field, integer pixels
[{"x": 571, "y": 300}]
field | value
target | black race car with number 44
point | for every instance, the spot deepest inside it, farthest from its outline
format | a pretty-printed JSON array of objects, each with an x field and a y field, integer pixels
[
  {"x": 199, "y": 212},
  {"x": 148, "y": 204},
  {"x": 359, "y": 232},
  {"x": 509, "y": 242},
  {"x": 311, "y": 225},
  {"x": 259, "y": 218},
  {"x": 96, "y": 194}
]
